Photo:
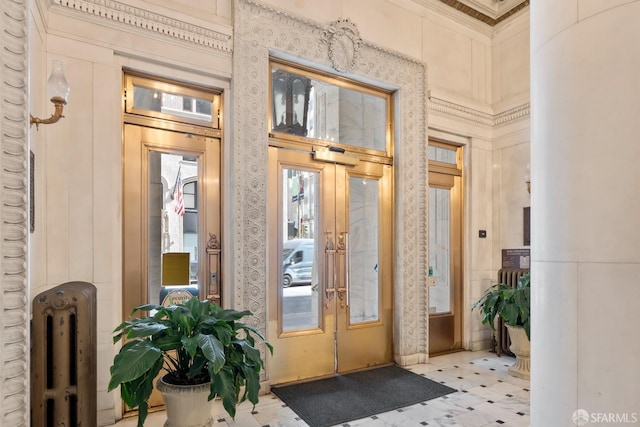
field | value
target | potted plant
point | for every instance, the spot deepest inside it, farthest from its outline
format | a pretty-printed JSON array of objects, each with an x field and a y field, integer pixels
[
  {"x": 513, "y": 305},
  {"x": 202, "y": 347}
]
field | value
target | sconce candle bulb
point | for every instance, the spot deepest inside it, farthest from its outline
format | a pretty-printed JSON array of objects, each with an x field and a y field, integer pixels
[{"x": 59, "y": 90}]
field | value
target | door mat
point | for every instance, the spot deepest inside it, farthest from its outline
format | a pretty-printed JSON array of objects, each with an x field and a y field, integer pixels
[{"x": 345, "y": 398}]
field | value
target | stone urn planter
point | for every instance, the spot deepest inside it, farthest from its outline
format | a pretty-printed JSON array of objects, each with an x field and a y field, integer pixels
[
  {"x": 186, "y": 405},
  {"x": 521, "y": 347},
  {"x": 513, "y": 304}
]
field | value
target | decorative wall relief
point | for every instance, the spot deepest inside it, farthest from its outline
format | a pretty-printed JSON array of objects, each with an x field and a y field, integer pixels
[
  {"x": 344, "y": 42},
  {"x": 14, "y": 178},
  {"x": 261, "y": 31}
]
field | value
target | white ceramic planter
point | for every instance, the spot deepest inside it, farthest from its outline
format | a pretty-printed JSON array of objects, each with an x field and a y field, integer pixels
[
  {"x": 521, "y": 347},
  {"x": 186, "y": 405}
]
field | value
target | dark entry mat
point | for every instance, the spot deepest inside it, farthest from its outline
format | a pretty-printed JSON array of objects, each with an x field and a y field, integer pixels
[{"x": 345, "y": 398}]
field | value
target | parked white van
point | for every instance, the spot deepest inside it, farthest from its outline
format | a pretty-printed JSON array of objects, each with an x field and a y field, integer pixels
[{"x": 297, "y": 262}]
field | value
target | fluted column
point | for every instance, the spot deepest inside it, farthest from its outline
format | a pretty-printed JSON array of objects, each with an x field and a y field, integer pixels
[{"x": 585, "y": 201}]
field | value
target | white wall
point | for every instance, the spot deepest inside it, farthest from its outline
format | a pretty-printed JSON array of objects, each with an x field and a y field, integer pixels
[
  {"x": 511, "y": 140},
  {"x": 78, "y": 161}
]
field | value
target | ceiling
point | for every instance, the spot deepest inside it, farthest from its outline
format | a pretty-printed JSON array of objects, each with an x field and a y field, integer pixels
[{"x": 490, "y": 12}]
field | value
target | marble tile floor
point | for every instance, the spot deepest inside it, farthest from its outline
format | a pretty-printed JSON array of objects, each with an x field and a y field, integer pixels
[{"x": 486, "y": 396}]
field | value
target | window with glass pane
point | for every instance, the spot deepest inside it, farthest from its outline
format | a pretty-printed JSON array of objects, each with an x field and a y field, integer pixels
[
  {"x": 440, "y": 249},
  {"x": 312, "y": 107},
  {"x": 441, "y": 154},
  {"x": 300, "y": 240},
  {"x": 181, "y": 105},
  {"x": 170, "y": 231},
  {"x": 363, "y": 250}
]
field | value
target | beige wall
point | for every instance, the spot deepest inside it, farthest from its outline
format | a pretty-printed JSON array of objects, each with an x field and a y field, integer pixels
[
  {"x": 78, "y": 161},
  {"x": 475, "y": 72}
]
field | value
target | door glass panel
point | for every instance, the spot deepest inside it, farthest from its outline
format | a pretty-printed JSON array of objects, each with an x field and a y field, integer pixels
[
  {"x": 362, "y": 246},
  {"x": 310, "y": 107},
  {"x": 181, "y": 105},
  {"x": 175, "y": 101},
  {"x": 439, "y": 250},
  {"x": 300, "y": 297},
  {"x": 173, "y": 228},
  {"x": 441, "y": 154}
]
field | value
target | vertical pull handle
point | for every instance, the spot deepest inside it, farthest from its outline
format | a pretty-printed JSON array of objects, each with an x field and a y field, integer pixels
[
  {"x": 329, "y": 269},
  {"x": 342, "y": 251}
]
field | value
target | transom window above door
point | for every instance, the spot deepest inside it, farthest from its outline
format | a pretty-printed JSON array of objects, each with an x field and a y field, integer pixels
[
  {"x": 311, "y": 105},
  {"x": 168, "y": 100}
]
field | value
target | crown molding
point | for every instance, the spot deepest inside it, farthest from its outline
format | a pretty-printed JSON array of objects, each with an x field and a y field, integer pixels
[
  {"x": 512, "y": 114},
  {"x": 461, "y": 111},
  {"x": 479, "y": 11},
  {"x": 475, "y": 14},
  {"x": 144, "y": 20},
  {"x": 472, "y": 114},
  {"x": 493, "y": 8}
]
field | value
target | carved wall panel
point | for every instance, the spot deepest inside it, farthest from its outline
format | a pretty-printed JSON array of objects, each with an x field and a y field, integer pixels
[
  {"x": 14, "y": 215},
  {"x": 261, "y": 31}
]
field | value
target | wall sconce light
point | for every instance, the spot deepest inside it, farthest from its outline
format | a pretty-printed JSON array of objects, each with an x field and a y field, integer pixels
[
  {"x": 59, "y": 90},
  {"x": 527, "y": 178}
]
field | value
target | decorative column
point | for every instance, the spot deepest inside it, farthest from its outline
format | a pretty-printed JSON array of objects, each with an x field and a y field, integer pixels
[
  {"x": 14, "y": 178},
  {"x": 585, "y": 200}
]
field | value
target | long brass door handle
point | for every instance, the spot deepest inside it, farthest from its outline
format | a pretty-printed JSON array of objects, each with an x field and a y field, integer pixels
[
  {"x": 329, "y": 269},
  {"x": 342, "y": 251}
]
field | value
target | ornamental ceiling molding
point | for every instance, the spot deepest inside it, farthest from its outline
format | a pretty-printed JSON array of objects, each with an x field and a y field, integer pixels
[
  {"x": 142, "y": 19},
  {"x": 467, "y": 10},
  {"x": 461, "y": 111},
  {"x": 512, "y": 114}
]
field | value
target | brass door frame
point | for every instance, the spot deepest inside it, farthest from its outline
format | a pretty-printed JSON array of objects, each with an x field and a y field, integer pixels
[
  {"x": 308, "y": 353},
  {"x": 138, "y": 143},
  {"x": 336, "y": 346},
  {"x": 135, "y": 209},
  {"x": 446, "y": 329},
  {"x": 353, "y": 353},
  {"x": 145, "y": 131}
]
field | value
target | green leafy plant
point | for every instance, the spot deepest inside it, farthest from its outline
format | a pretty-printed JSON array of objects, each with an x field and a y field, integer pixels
[
  {"x": 512, "y": 304},
  {"x": 196, "y": 342}
]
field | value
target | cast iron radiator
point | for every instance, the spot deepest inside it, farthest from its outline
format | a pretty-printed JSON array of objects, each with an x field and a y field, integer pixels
[
  {"x": 508, "y": 276},
  {"x": 63, "y": 357}
]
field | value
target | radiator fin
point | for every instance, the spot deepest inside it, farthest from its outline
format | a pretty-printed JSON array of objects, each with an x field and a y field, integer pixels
[{"x": 63, "y": 357}]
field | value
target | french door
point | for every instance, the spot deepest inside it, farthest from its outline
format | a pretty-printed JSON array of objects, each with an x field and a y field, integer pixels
[
  {"x": 331, "y": 264},
  {"x": 171, "y": 211},
  {"x": 445, "y": 248}
]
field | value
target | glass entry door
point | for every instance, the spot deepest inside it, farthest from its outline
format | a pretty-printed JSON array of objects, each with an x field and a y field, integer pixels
[
  {"x": 330, "y": 282},
  {"x": 445, "y": 262},
  {"x": 171, "y": 219}
]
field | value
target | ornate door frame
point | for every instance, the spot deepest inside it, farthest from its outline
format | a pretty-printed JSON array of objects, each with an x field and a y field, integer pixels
[{"x": 260, "y": 32}]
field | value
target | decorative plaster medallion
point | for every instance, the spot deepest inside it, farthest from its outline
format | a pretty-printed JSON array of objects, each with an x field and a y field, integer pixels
[{"x": 344, "y": 42}]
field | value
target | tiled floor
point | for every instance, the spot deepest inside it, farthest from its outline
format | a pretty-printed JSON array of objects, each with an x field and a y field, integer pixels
[{"x": 486, "y": 396}]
